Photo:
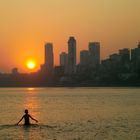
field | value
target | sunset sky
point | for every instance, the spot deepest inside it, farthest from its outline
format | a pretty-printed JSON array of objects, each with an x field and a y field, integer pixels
[{"x": 25, "y": 25}]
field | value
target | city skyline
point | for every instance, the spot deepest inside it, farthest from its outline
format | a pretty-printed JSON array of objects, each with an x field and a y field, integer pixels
[
  {"x": 119, "y": 69},
  {"x": 89, "y": 57},
  {"x": 25, "y": 25}
]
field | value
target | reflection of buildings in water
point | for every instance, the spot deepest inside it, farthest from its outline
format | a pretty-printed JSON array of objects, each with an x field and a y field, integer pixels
[{"x": 31, "y": 102}]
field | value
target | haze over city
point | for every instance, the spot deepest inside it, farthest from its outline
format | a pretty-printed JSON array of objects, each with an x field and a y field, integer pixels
[{"x": 26, "y": 25}]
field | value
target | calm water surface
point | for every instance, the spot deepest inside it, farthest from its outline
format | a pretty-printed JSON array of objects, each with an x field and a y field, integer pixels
[{"x": 71, "y": 113}]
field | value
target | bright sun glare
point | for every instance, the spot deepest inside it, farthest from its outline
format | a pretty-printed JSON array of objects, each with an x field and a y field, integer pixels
[{"x": 31, "y": 65}]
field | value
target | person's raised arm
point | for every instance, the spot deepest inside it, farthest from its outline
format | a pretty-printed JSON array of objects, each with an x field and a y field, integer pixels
[
  {"x": 20, "y": 120},
  {"x": 33, "y": 118}
]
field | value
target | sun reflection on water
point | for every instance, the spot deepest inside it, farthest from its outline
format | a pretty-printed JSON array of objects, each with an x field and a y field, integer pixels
[
  {"x": 32, "y": 103},
  {"x": 30, "y": 89}
]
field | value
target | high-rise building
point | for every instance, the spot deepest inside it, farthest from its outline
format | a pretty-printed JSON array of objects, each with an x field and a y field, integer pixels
[
  {"x": 71, "y": 55},
  {"x": 135, "y": 54},
  {"x": 84, "y": 58},
  {"x": 94, "y": 53},
  {"x": 124, "y": 55},
  {"x": 63, "y": 59},
  {"x": 49, "y": 57}
]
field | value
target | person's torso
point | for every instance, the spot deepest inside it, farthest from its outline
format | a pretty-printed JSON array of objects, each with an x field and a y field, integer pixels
[{"x": 26, "y": 119}]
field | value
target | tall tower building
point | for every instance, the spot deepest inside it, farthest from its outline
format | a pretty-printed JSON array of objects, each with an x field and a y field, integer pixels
[
  {"x": 71, "y": 55},
  {"x": 64, "y": 61},
  {"x": 94, "y": 53},
  {"x": 49, "y": 57}
]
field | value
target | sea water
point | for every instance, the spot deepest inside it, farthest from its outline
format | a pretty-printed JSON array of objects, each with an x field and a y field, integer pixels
[{"x": 71, "y": 113}]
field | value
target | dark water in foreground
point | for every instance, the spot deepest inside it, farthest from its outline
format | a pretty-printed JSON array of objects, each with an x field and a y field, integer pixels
[{"x": 71, "y": 113}]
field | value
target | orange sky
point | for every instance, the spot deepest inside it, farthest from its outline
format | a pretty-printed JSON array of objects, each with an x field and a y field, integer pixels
[{"x": 26, "y": 24}]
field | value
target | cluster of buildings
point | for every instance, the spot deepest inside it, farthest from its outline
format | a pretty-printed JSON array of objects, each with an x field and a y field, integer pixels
[
  {"x": 124, "y": 57},
  {"x": 123, "y": 65},
  {"x": 89, "y": 59},
  {"x": 121, "y": 68},
  {"x": 68, "y": 62}
]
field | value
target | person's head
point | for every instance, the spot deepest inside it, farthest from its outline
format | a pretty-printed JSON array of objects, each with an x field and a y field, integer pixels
[{"x": 26, "y": 111}]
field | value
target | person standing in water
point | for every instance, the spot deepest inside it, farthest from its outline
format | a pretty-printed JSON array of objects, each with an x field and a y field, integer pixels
[{"x": 26, "y": 118}]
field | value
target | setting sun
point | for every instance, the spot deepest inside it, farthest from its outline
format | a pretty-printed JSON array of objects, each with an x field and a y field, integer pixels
[{"x": 31, "y": 64}]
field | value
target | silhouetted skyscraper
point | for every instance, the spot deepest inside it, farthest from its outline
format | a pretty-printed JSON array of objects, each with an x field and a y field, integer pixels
[
  {"x": 49, "y": 57},
  {"x": 135, "y": 55},
  {"x": 94, "y": 52},
  {"x": 63, "y": 59},
  {"x": 71, "y": 55}
]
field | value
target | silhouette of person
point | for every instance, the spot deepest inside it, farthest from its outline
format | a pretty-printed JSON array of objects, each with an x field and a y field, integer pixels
[{"x": 26, "y": 118}]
